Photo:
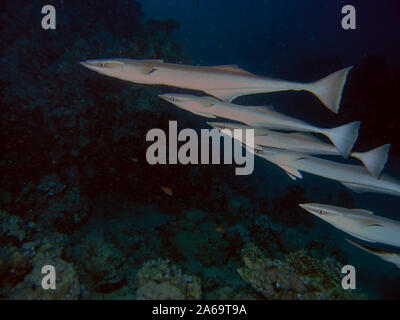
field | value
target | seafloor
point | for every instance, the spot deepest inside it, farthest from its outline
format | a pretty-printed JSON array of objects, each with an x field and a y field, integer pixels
[{"x": 76, "y": 191}]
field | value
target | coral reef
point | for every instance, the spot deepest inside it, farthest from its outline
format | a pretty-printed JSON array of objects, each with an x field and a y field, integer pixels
[
  {"x": 25, "y": 249},
  {"x": 67, "y": 286},
  {"x": 159, "y": 280},
  {"x": 298, "y": 276}
]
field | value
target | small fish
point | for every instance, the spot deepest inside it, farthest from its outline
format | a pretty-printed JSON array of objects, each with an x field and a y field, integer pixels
[
  {"x": 220, "y": 229},
  {"x": 168, "y": 191},
  {"x": 360, "y": 223},
  {"x": 226, "y": 82}
]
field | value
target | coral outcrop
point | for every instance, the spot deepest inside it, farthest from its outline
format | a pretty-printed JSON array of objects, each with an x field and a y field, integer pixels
[
  {"x": 298, "y": 276},
  {"x": 161, "y": 280}
]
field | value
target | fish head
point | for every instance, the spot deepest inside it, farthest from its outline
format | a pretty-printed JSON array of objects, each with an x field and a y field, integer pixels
[
  {"x": 325, "y": 212},
  {"x": 138, "y": 71},
  {"x": 108, "y": 67},
  {"x": 189, "y": 102}
]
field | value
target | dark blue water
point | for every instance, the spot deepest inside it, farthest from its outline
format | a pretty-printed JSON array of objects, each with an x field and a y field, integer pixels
[{"x": 270, "y": 36}]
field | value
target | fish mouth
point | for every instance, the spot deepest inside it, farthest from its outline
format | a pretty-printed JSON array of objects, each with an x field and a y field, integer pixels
[
  {"x": 167, "y": 97},
  {"x": 171, "y": 98},
  {"x": 308, "y": 207},
  {"x": 102, "y": 64},
  {"x": 90, "y": 64},
  {"x": 85, "y": 64},
  {"x": 303, "y": 205},
  {"x": 314, "y": 208}
]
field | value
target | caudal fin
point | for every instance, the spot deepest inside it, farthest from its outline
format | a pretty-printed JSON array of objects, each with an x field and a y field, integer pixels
[
  {"x": 374, "y": 160},
  {"x": 344, "y": 137},
  {"x": 329, "y": 89}
]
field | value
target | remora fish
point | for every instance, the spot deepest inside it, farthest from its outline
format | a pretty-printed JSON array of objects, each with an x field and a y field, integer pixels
[
  {"x": 373, "y": 160},
  {"x": 342, "y": 137},
  {"x": 225, "y": 82},
  {"x": 354, "y": 177},
  {"x": 360, "y": 223},
  {"x": 385, "y": 255}
]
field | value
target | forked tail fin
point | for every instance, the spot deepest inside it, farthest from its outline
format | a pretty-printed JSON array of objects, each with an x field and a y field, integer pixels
[
  {"x": 344, "y": 137},
  {"x": 374, "y": 160},
  {"x": 329, "y": 89}
]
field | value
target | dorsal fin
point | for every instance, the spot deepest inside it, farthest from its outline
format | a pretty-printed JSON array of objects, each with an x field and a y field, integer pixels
[{"x": 231, "y": 68}]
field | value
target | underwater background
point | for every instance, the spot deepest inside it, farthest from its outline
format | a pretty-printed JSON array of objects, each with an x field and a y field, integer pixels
[{"x": 77, "y": 192}]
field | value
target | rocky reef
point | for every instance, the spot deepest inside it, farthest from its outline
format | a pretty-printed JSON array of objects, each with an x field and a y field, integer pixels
[
  {"x": 25, "y": 249},
  {"x": 159, "y": 280},
  {"x": 299, "y": 276}
]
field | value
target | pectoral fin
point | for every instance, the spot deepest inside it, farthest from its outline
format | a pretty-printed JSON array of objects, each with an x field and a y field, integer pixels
[
  {"x": 146, "y": 69},
  {"x": 227, "y": 95},
  {"x": 291, "y": 172}
]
